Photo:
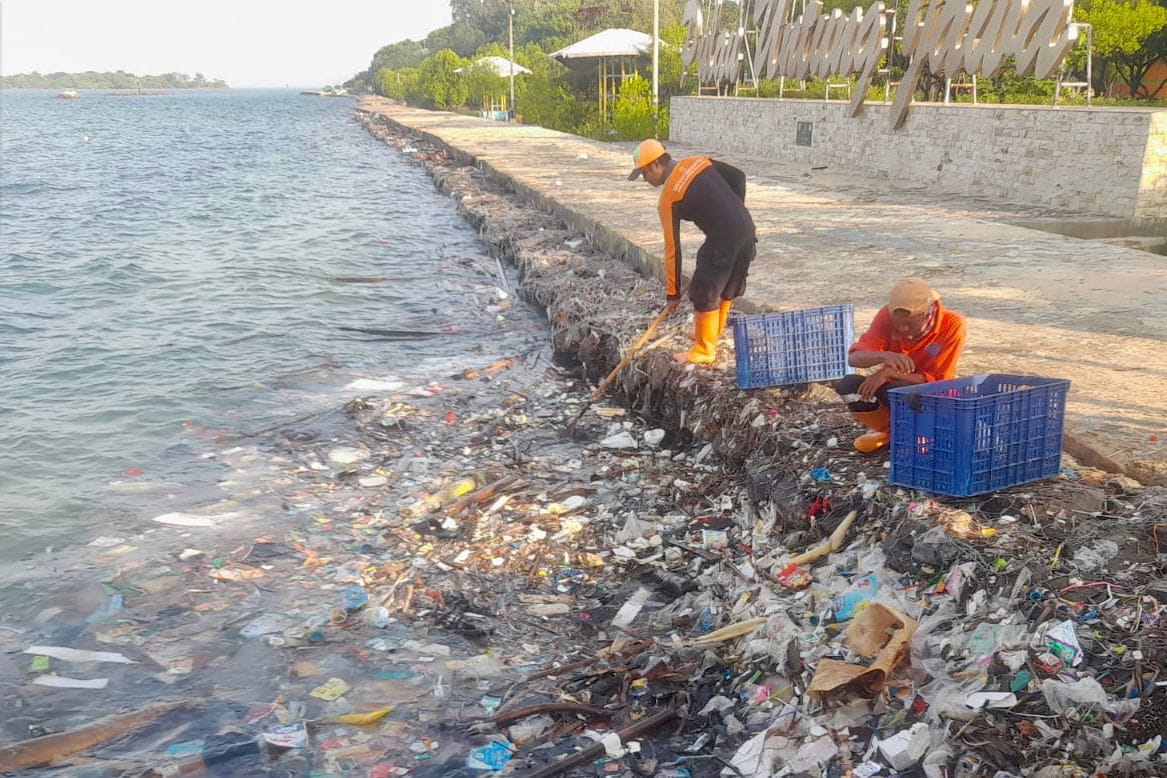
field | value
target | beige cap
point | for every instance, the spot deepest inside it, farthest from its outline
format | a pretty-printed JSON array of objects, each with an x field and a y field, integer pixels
[{"x": 912, "y": 295}]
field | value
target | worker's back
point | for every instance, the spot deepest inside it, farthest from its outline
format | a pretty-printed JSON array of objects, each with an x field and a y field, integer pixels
[{"x": 710, "y": 194}]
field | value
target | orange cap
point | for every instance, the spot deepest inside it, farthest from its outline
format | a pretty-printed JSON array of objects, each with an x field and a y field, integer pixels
[
  {"x": 912, "y": 295},
  {"x": 647, "y": 152}
]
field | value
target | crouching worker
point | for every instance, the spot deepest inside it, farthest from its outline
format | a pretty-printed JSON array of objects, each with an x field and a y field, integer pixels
[
  {"x": 913, "y": 340},
  {"x": 712, "y": 194}
]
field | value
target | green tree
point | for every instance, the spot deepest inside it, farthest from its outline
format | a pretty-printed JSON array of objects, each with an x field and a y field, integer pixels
[
  {"x": 440, "y": 86},
  {"x": 546, "y": 97},
  {"x": 672, "y": 42},
  {"x": 487, "y": 17},
  {"x": 552, "y": 25},
  {"x": 362, "y": 82},
  {"x": 552, "y": 96},
  {"x": 1122, "y": 31},
  {"x": 403, "y": 54},
  {"x": 400, "y": 85},
  {"x": 462, "y": 39},
  {"x": 632, "y": 115},
  {"x": 482, "y": 83}
]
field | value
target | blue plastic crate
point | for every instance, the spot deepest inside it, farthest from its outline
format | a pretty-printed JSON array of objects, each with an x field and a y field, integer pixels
[
  {"x": 978, "y": 434},
  {"x": 774, "y": 349}
]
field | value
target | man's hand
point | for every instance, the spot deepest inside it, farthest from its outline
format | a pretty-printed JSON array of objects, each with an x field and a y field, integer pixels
[
  {"x": 900, "y": 363},
  {"x": 873, "y": 384},
  {"x": 671, "y": 305}
]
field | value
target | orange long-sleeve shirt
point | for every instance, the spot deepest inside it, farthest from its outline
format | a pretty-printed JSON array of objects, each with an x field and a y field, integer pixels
[{"x": 935, "y": 354}]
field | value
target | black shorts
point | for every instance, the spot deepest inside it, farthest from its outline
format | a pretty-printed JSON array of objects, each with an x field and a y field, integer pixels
[{"x": 721, "y": 272}]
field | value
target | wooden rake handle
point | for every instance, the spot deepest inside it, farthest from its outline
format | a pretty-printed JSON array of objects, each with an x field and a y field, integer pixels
[{"x": 629, "y": 354}]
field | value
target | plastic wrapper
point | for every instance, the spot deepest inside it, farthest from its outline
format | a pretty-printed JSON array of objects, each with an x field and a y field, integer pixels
[{"x": 1061, "y": 697}]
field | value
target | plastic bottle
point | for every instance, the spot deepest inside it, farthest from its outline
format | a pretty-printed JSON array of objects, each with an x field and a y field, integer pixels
[{"x": 705, "y": 623}]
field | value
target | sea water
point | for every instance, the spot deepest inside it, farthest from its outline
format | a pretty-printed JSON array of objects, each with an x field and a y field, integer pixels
[{"x": 205, "y": 264}]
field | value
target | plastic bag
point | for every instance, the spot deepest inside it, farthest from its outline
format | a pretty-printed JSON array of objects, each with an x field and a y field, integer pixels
[
  {"x": 925, "y": 651},
  {"x": 1060, "y": 697},
  {"x": 1093, "y": 557}
]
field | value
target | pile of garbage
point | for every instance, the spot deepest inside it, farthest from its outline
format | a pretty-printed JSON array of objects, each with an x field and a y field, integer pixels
[
  {"x": 474, "y": 591},
  {"x": 692, "y": 581}
]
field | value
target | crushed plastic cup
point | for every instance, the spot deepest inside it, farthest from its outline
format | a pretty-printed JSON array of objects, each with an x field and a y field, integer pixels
[{"x": 355, "y": 597}]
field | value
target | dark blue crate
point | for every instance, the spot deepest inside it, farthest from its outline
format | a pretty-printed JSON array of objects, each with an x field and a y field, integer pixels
[
  {"x": 978, "y": 434},
  {"x": 775, "y": 349}
]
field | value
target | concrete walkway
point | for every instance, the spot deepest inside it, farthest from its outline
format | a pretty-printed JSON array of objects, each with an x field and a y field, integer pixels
[{"x": 1037, "y": 303}]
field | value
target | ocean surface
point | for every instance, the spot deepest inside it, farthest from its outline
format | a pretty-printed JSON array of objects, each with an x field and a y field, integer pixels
[{"x": 180, "y": 268}]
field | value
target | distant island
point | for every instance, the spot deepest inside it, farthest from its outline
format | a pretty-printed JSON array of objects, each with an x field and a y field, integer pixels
[{"x": 120, "y": 80}]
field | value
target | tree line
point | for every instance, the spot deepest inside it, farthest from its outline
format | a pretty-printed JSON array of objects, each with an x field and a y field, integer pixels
[
  {"x": 1129, "y": 38},
  {"x": 120, "y": 79},
  {"x": 423, "y": 72}
]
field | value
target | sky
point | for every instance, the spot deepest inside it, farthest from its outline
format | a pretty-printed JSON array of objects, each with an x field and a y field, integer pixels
[{"x": 247, "y": 43}]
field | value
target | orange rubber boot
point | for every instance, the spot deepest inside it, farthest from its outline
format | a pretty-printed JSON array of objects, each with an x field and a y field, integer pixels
[
  {"x": 723, "y": 316},
  {"x": 879, "y": 422},
  {"x": 704, "y": 350}
]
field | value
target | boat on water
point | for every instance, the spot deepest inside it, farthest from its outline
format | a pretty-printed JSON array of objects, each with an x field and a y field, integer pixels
[
  {"x": 68, "y": 94},
  {"x": 328, "y": 91}
]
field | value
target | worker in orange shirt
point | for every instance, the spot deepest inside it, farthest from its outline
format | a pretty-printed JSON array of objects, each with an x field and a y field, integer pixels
[
  {"x": 912, "y": 340},
  {"x": 711, "y": 194}
]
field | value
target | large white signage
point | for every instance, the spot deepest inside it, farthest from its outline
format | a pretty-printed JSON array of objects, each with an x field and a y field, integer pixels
[{"x": 949, "y": 36}]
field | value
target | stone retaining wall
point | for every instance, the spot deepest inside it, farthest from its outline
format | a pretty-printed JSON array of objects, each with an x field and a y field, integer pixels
[
  {"x": 1101, "y": 162},
  {"x": 1152, "y": 200}
]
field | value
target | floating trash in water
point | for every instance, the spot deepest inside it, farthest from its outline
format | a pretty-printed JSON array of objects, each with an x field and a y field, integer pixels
[
  {"x": 190, "y": 519},
  {"x": 78, "y": 655},
  {"x": 61, "y": 682}
]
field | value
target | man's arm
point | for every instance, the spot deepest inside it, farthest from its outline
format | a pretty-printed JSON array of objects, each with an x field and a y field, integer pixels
[
  {"x": 893, "y": 360},
  {"x": 887, "y": 375},
  {"x": 734, "y": 177},
  {"x": 670, "y": 222}
]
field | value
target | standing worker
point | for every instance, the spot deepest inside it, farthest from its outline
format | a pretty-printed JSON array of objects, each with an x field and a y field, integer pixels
[
  {"x": 912, "y": 340},
  {"x": 712, "y": 194}
]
